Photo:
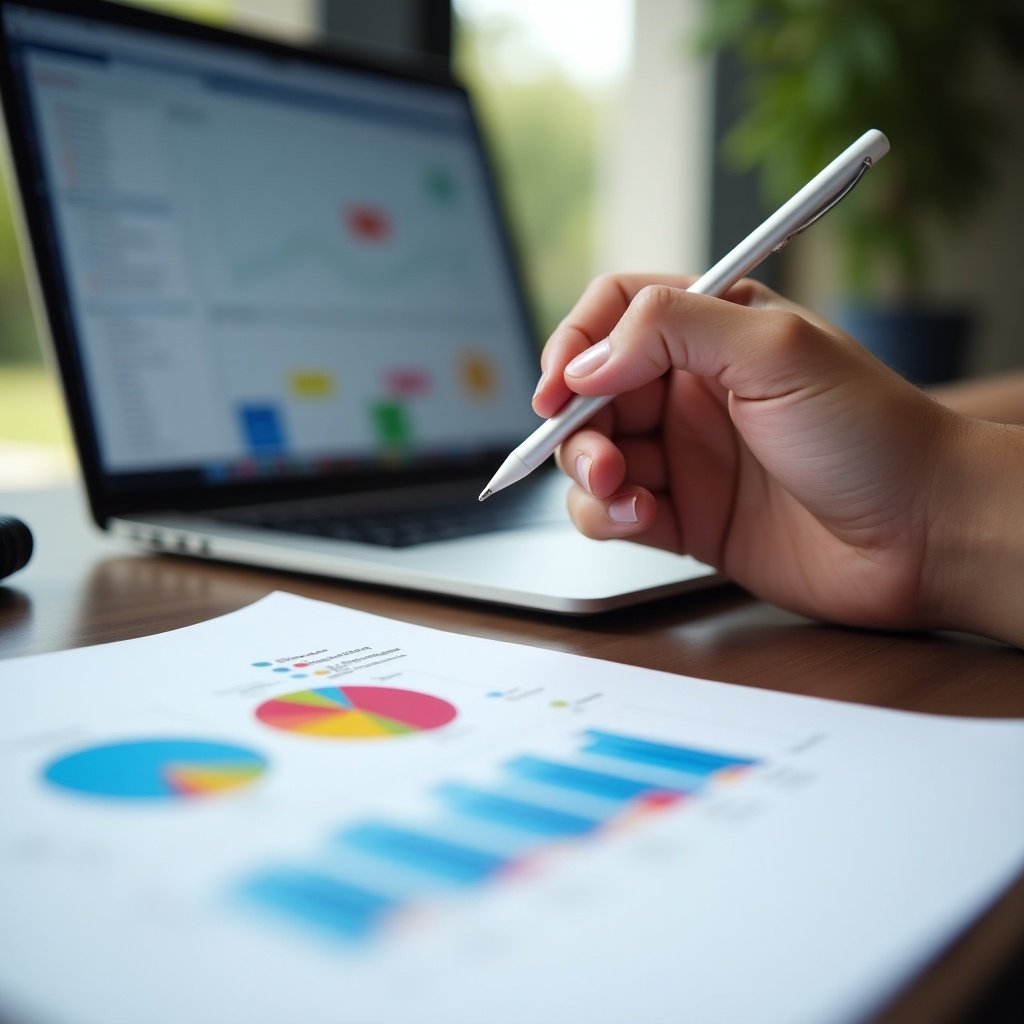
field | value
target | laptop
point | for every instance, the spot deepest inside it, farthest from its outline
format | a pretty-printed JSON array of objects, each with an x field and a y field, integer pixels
[{"x": 284, "y": 306}]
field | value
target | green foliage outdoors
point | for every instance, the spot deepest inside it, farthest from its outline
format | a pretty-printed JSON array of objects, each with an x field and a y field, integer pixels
[{"x": 821, "y": 72}]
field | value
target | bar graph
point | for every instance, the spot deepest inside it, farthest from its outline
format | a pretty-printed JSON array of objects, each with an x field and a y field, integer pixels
[
  {"x": 321, "y": 901},
  {"x": 431, "y": 855},
  {"x": 661, "y": 755},
  {"x": 478, "y": 834},
  {"x": 585, "y": 781},
  {"x": 523, "y": 815}
]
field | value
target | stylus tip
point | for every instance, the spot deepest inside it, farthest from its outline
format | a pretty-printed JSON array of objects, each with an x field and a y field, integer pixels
[{"x": 485, "y": 494}]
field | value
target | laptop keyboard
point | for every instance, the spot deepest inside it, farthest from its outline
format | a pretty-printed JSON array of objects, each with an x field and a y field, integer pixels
[{"x": 404, "y": 528}]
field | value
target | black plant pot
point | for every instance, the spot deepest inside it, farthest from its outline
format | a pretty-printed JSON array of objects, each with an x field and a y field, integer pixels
[{"x": 927, "y": 345}]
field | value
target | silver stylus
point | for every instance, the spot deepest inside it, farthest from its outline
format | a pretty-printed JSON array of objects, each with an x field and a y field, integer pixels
[{"x": 811, "y": 203}]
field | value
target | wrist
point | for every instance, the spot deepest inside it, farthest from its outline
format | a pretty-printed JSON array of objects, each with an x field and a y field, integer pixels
[{"x": 974, "y": 572}]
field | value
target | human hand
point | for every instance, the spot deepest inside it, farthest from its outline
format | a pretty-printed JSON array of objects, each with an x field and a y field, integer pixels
[{"x": 763, "y": 441}]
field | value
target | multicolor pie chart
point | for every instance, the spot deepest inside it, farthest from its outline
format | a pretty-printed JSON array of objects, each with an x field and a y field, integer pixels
[
  {"x": 157, "y": 769},
  {"x": 356, "y": 712}
]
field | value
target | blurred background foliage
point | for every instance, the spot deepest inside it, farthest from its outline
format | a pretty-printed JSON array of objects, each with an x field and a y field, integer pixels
[
  {"x": 18, "y": 342},
  {"x": 543, "y": 129},
  {"x": 817, "y": 73}
]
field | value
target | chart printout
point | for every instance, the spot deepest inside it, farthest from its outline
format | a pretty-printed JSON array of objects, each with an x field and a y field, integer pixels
[{"x": 299, "y": 811}]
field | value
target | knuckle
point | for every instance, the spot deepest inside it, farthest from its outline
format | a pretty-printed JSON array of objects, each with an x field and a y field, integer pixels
[
  {"x": 603, "y": 283},
  {"x": 749, "y": 292},
  {"x": 788, "y": 329},
  {"x": 654, "y": 302},
  {"x": 653, "y": 317}
]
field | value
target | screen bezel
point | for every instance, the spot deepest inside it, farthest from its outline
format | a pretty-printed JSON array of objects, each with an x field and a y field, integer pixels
[{"x": 113, "y": 495}]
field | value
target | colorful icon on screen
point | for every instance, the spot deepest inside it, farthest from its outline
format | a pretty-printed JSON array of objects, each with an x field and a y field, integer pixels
[
  {"x": 262, "y": 429},
  {"x": 478, "y": 375},
  {"x": 441, "y": 185},
  {"x": 356, "y": 712},
  {"x": 408, "y": 382},
  {"x": 311, "y": 383},
  {"x": 367, "y": 223},
  {"x": 392, "y": 425}
]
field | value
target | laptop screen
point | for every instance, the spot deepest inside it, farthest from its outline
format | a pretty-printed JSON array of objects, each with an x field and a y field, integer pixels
[{"x": 269, "y": 266}]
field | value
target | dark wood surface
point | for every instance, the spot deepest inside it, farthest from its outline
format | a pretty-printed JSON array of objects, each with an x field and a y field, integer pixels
[{"x": 83, "y": 588}]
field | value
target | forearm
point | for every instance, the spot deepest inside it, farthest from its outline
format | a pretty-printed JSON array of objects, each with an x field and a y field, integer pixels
[{"x": 976, "y": 548}]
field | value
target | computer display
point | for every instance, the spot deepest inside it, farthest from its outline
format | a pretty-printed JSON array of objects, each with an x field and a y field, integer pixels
[{"x": 272, "y": 266}]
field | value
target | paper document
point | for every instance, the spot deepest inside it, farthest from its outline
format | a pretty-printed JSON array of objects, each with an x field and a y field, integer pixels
[{"x": 300, "y": 812}]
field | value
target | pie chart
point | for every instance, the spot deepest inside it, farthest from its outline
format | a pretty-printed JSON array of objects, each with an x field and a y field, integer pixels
[
  {"x": 157, "y": 769},
  {"x": 356, "y": 712}
]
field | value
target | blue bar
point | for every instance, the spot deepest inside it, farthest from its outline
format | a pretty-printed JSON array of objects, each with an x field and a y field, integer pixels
[
  {"x": 665, "y": 780},
  {"x": 329, "y": 904},
  {"x": 583, "y": 780},
  {"x": 462, "y": 829},
  {"x": 371, "y": 872},
  {"x": 527, "y": 817},
  {"x": 662, "y": 755},
  {"x": 566, "y": 801},
  {"x": 448, "y": 861}
]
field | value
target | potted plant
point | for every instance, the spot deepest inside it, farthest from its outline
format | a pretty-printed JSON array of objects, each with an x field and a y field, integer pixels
[{"x": 817, "y": 73}]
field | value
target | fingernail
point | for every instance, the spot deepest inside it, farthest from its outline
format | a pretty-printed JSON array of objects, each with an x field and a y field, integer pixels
[
  {"x": 623, "y": 510},
  {"x": 540, "y": 384},
  {"x": 587, "y": 362},
  {"x": 583, "y": 463}
]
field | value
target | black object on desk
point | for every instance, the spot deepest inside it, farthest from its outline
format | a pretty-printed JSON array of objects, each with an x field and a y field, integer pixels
[{"x": 15, "y": 545}]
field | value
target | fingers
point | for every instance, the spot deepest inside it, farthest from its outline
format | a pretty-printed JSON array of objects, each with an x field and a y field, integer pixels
[
  {"x": 598, "y": 310},
  {"x": 749, "y": 292},
  {"x": 624, "y": 336},
  {"x": 754, "y": 352},
  {"x": 589, "y": 458},
  {"x": 652, "y": 324},
  {"x": 601, "y": 467},
  {"x": 606, "y": 505},
  {"x": 632, "y": 514}
]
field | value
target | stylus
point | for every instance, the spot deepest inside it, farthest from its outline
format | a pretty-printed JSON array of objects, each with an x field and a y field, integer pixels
[{"x": 811, "y": 203}]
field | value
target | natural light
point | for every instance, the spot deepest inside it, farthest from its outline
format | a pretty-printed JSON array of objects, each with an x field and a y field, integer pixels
[{"x": 589, "y": 40}]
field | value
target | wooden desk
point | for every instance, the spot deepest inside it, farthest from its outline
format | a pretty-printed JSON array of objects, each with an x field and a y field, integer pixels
[{"x": 82, "y": 588}]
